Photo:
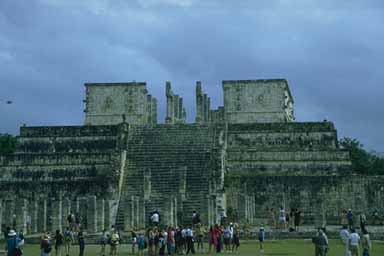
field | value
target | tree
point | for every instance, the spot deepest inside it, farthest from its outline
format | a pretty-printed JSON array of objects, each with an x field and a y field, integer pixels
[
  {"x": 7, "y": 144},
  {"x": 363, "y": 162}
]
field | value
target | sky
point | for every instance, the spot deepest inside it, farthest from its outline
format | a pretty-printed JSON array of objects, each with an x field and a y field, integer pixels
[{"x": 331, "y": 53}]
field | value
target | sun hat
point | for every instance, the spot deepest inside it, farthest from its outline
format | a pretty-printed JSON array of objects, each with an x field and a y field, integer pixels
[{"x": 12, "y": 233}]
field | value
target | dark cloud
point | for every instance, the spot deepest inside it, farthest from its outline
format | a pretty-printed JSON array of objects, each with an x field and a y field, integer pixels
[{"x": 331, "y": 53}]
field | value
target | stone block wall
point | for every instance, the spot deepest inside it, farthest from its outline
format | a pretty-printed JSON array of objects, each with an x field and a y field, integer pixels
[
  {"x": 320, "y": 198},
  {"x": 260, "y": 101},
  {"x": 59, "y": 170},
  {"x": 113, "y": 103}
]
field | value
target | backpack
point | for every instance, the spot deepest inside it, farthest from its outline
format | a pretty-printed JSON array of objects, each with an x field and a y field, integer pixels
[
  {"x": 48, "y": 248},
  {"x": 227, "y": 234},
  {"x": 67, "y": 235}
]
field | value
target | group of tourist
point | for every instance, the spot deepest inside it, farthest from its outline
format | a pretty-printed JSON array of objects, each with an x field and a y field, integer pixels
[
  {"x": 282, "y": 219},
  {"x": 181, "y": 240},
  {"x": 351, "y": 240}
]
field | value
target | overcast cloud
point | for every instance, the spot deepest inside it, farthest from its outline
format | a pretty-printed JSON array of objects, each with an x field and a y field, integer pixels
[{"x": 331, "y": 53}]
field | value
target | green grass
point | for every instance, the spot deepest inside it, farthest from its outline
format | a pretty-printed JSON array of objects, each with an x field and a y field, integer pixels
[{"x": 278, "y": 247}]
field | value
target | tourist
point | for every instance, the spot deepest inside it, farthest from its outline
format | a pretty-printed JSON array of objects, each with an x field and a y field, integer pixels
[
  {"x": 350, "y": 219},
  {"x": 227, "y": 239},
  {"x": 272, "y": 218},
  {"x": 183, "y": 239},
  {"x": 261, "y": 239},
  {"x": 190, "y": 242},
  {"x": 157, "y": 239},
  {"x": 12, "y": 244},
  {"x": 81, "y": 240},
  {"x": 345, "y": 238},
  {"x": 291, "y": 221},
  {"x": 103, "y": 242},
  {"x": 195, "y": 218},
  {"x": 200, "y": 235},
  {"x": 162, "y": 242},
  {"x": 235, "y": 238},
  {"x": 115, "y": 241},
  {"x": 178, "y": 242},
  {"x": 218, "y": 231},
  {"x": 366, "y": 243},
  {"x": 375, "y": 217},
  {"x": 170, "y": 241},
  {"x": 151, "y": 233},
  {"x": 211, "y": 239},
  {"x": 155, "y": 218},
  {"x": 58, "y": 242},
  {"x": 68, "y": 240},
  {"x": 282, "y": 218},
  {"x": 133, "y": 241},
  {"x": 323, "y": 243},
  {"x": 71, "y": 221},
  {"x": 78, "y": 221},
  {"x": 363, "y": 221},
  {"x": 21, "y": 241},
  {"x": 141, "y": 244},
  {"x": 355, "y": 238},
  {"x": 45, "y": 245},
  {"x": 28, "y": 223},
  {"x": 297, "y": 219},
  {"x": 343, "y": 218}
]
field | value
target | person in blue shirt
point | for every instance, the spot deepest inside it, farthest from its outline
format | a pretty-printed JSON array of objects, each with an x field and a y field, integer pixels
[
  {"x": 261, "y": 239},
  {"x": 350, "y": 219},
  {"x": 12, "y": 243}
]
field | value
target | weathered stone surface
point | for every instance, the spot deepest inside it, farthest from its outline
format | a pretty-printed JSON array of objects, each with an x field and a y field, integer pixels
[
  {"x": 261, "y": 101},
  {"x": 113, "y": 103}
]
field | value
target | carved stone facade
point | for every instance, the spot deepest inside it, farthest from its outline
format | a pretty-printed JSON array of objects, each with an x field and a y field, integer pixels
[
  {"x": 242, "y": 158},
  {"x": 114, "y": 103}
]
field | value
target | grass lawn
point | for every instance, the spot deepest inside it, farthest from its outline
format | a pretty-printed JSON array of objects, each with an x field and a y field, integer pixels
[{"x": 278, "y": 247}]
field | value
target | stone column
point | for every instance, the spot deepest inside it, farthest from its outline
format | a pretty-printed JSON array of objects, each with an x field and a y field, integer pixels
[
  {"x": 101, "y": 214},
  {"x": 171, "y": 216},
  {"x": 24, "y": 213},
  {"x": 137, "y": 222},
  {"x": 66, "y": 210},
  {"x": 170, "y": 104},
  {"x": 42, "y": 215},
  {"x": 181, "y": 109},
  {"x": 92, "y": 214},
  {"x": 107, "y": 214},
  {"x": 1, "y": 211},
  {"x": 35, "y": 215},
  {"x": 154, "y": 111},
  {"x": 177, "y": 111},
  {"x": 57, "y": 214},
  {"x": 205, "y": 108},
  {"x": 149, "y": 109},
  {"x": 199, "y": 103},
  {"x": 208, "y": 109}
]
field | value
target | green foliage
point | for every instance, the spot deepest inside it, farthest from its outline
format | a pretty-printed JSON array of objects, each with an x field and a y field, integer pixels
[
  {"x": 7, "y": 144},
  {"x": 363, "y": 162}
]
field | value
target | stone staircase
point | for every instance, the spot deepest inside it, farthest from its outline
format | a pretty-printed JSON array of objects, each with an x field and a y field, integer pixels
[{"x": 168, "y": 168}]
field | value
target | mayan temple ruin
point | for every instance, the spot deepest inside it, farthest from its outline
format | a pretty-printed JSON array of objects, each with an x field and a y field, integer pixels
[{"x": 239, "y": 159}]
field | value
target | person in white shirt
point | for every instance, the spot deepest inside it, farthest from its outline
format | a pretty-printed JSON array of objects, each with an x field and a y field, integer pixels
[
  {"x": 344, "y": 236},
  {"x": 155, "y": 218},
  {"x": 354, "y": 238},
  {"x": 190, "y": 242},
  {"x": 282, "y": 218},
  {"x": 366, "y": 243}
]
